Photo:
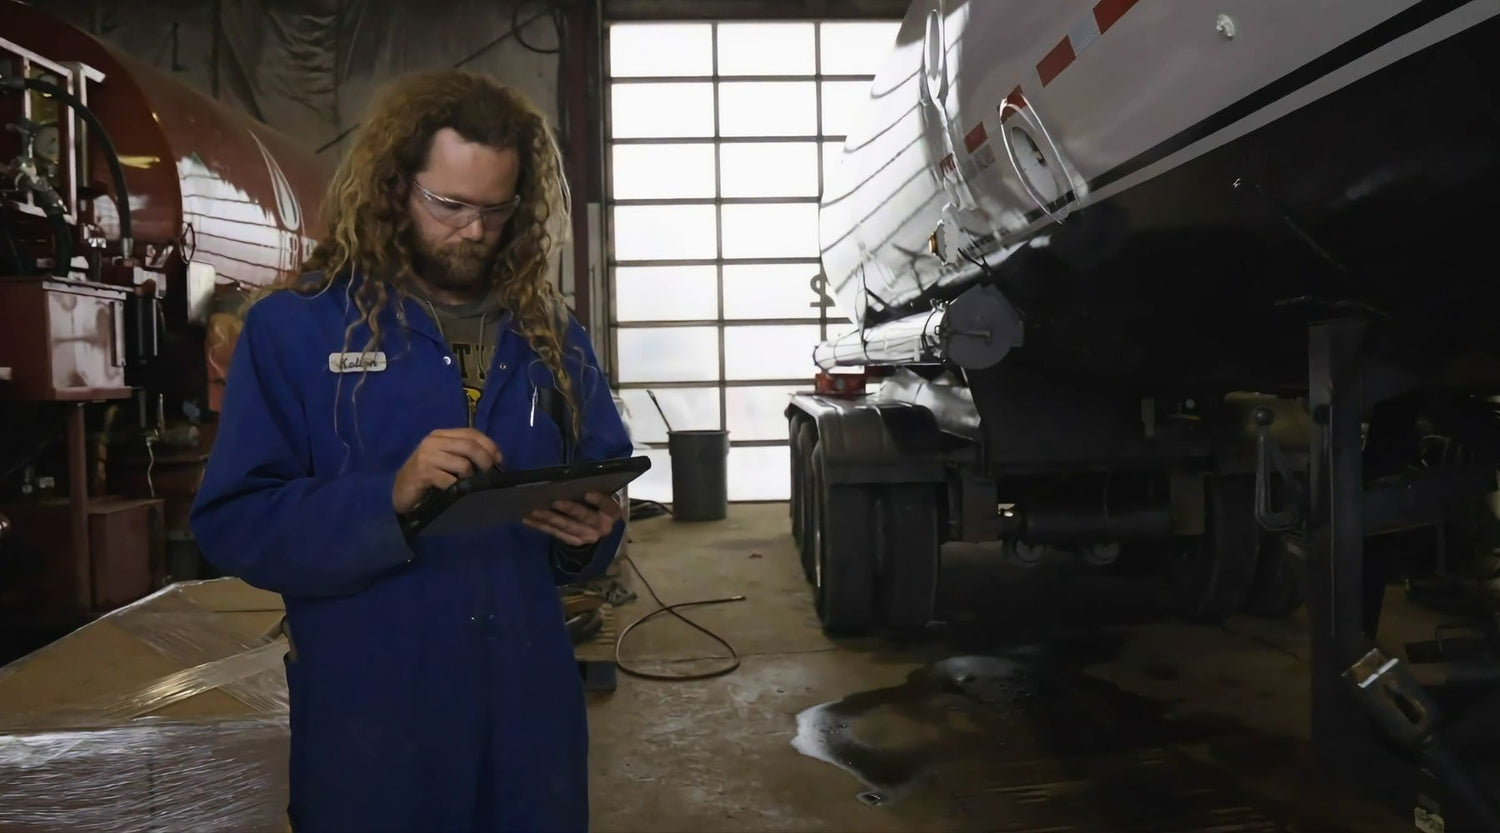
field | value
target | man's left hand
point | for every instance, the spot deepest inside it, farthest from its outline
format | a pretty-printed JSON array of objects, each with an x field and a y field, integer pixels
[{"x": 578, "y": 524}]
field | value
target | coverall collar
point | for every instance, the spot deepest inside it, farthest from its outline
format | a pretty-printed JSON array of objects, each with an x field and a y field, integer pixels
[{"x": 414, "y": 316}]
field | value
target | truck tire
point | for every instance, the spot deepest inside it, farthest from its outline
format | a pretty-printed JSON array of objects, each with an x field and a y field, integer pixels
[
  {"x": 909, "y": 548},
  {"x": 802, "y": 495},
  {"x": 1280, "y": 575},
  {"x": 794, "y": 427},
  {"x": 844, "y": 553},
  {"x": 1211, "y": 576}
]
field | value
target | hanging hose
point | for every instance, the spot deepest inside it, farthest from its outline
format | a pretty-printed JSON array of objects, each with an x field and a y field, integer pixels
[
  {"x": 62, "y": 243},
  {"x": 15, "y": 84},
  {"x": 14, "y": 259}
]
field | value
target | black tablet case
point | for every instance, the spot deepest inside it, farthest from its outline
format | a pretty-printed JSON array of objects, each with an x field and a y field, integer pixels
[{"x": 497, "y": 497}]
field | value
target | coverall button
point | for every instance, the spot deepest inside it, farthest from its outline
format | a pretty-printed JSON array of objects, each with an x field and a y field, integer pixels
[
  {"x": 503, "y": 365},
  {"x": 448, "y": 360}
]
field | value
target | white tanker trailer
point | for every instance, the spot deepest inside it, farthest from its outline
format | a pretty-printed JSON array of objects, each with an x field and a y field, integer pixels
[{"x": 1213, "y": 282}]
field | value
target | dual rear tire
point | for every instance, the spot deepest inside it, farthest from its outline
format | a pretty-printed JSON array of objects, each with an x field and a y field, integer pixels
[
  {"x": 871, "y": 553},
  {"x": 1235, "y": 566}
]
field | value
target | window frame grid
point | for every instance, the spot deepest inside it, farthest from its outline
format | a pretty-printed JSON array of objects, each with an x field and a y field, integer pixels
[{"x": 819, "y": 140}]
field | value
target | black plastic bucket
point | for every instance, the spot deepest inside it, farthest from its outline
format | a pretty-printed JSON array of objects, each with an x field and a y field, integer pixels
[{"x": 700, "y": 474}]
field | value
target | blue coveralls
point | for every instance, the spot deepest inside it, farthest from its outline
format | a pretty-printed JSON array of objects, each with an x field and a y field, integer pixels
[{"x": 432, "y": 685}]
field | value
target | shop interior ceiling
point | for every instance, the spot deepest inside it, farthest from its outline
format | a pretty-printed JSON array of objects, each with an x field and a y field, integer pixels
[{"x": 310, "y": 67}]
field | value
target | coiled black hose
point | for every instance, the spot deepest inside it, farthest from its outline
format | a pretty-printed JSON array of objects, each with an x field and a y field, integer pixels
[{"x": 16, "y": 84}]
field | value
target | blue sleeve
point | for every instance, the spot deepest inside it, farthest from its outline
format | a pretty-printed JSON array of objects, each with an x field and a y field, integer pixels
[
  {"x": 603, "y": 437},
  {"x": 260, "y": 513}
]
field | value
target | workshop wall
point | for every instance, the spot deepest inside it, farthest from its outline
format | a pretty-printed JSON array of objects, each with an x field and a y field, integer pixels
[{"x": 310, "y": 67}]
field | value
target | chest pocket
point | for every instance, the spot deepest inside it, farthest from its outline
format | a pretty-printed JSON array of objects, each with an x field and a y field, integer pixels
[{"x": 548, "y": 416}]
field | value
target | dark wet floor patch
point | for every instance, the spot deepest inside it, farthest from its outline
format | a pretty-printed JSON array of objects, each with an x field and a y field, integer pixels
[
  {"x": 1161, "y": 671},
  {"x": 990, "y": 707},
  {"x": 1025, "y": 741},
  {"x": 888, "y": 738}
]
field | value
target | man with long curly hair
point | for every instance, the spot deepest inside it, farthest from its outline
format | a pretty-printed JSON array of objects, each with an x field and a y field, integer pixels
[{"x": 432, "y": 682}]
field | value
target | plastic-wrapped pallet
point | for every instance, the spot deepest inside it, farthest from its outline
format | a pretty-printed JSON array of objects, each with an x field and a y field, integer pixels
[{"x": 169, "y": 714}]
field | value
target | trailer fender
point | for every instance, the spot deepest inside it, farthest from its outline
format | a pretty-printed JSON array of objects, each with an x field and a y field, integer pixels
[{"x": 873, "y": 442}]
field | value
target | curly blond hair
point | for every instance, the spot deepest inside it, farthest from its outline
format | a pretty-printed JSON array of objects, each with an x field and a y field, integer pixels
[{"x": 368, "y": 228}]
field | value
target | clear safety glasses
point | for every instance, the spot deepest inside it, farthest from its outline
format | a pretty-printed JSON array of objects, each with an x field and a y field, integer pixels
[{"x": 455, "y": 214}]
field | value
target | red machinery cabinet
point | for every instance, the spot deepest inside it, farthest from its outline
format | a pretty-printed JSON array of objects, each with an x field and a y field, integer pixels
[
  {"x": 53, "y": 578},
  {"x": 62, "y": 340}
]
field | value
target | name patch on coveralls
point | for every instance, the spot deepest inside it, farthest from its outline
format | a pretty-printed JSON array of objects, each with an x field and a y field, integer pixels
[{"x": 355, "y": 362}]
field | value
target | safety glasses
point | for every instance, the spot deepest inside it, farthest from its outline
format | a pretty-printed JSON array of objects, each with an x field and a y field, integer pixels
[{"x": 457, "y": 215}]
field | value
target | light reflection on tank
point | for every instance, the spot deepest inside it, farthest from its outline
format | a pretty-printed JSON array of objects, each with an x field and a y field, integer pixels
[{"x": 245, "y": 241}]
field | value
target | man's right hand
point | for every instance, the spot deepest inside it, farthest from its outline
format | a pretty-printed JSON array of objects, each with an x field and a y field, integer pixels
[{"x": 441, "y": 459}]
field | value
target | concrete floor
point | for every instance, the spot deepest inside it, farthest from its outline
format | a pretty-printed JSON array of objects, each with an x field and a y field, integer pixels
[{"x": 1006, "y": 716}]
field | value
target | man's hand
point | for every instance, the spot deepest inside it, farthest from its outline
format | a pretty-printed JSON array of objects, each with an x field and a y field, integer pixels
[
  {"x": 441, "y": 460},
  {"x": 578, "y": 524}
]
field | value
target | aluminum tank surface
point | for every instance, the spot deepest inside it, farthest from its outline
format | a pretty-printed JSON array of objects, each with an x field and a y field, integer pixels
[
  {"x": 224, "y": 189},
  {"x": 991, "y": 122},
  {"x": 1170, "y": 192}
]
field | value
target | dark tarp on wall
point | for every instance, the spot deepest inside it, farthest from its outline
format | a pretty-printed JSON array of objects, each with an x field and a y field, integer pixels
[{"x": 310, "y": 67}]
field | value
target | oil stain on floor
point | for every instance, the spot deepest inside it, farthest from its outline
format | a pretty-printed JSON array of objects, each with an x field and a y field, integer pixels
[{"x": 1023, "y": 736}]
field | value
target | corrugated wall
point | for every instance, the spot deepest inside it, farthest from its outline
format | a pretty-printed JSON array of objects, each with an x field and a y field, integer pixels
[{"x": 310, "y": 67}]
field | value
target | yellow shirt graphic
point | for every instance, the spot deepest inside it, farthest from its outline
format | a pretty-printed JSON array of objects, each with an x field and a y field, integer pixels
[{"x": 472, "y": 393}]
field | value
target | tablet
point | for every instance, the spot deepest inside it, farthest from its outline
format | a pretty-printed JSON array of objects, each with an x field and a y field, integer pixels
[{"x": 496, "y": 497}]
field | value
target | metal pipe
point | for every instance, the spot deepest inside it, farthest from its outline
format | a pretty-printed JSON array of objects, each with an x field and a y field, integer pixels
[
  {"x": 1058, "y": 524},
  {"x": 912, "y": 340},
  {"x": 78, "y": 507},
  {"x": 975, "y": 330},
  {"x": 62, "y": 243}
]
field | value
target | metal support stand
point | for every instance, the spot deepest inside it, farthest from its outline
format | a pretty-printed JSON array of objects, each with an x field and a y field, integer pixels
[
  {"x": 1335, "y": 534},
  {"x": 78, "y": 508},
  {"x": 1370, "y": 721}
]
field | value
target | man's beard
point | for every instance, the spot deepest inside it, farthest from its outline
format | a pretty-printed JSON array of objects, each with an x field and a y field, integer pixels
[{"x": 465, "y": 264}]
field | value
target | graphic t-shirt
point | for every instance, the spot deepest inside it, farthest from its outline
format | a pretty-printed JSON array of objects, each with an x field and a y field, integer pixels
[{"x": 470, "y": 330}]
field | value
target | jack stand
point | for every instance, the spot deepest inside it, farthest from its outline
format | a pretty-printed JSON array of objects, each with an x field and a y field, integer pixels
[{"x": 1370, "y": 720}]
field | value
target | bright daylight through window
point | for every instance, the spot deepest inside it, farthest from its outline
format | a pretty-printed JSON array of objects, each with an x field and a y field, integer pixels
[{"x": 721, "y": 136}]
